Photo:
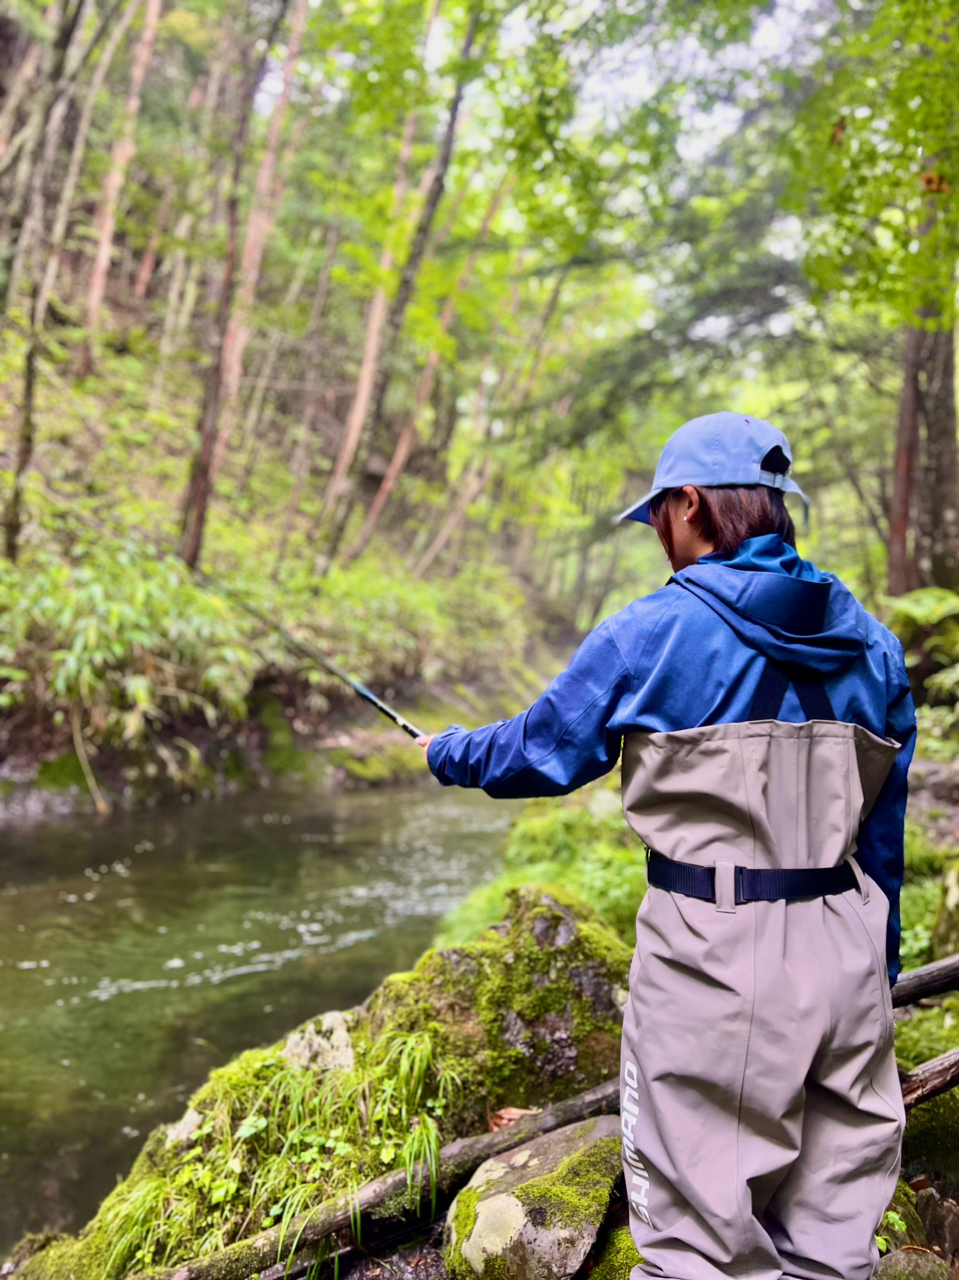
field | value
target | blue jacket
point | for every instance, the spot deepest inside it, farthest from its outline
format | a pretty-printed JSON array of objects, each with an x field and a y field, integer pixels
[{"x": 690, "y": 655}]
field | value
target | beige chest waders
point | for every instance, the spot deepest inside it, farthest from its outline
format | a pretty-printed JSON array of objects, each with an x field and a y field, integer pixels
[{"x": 761, "y": 1109}]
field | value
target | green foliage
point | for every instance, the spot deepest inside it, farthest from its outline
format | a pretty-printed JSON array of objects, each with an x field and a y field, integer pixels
[
  {"x": 130, "y": 641},
  {"x": 893, "y": 1221},
  {"x": 919, "y": 906},
  {"x": 876, "y": 152},
  {"x": 927, "y": 1033},
  {"x": 926, "y": 623},
  {"x": 923, "y": 859},
  {"x": 128, "y": 637},
  {"x": 581, "y": 843}
]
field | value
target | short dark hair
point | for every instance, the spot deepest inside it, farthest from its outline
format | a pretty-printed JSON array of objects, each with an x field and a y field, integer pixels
[{"x": 728, "y": 515}]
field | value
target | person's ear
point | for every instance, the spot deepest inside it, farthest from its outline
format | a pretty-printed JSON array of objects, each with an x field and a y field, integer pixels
[{"x": 691, "y": 504}]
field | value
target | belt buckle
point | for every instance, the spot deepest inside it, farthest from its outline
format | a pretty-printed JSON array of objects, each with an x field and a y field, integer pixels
[{"x": 740, "y": 876}]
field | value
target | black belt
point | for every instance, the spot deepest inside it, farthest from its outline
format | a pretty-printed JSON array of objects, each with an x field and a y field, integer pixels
[{"x": 751, "y": 886}]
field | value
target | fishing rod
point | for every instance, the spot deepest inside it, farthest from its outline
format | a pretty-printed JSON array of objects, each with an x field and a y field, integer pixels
[
  {"x": 219, "y": 588},
  {"x": 311, "y": 652}
]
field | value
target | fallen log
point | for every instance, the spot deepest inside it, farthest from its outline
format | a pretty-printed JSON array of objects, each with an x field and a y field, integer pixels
[
  {"x": 930, "y": 1079},
  {"x": 457, "y": 1162},
  {"x": 929, "y": 980}
]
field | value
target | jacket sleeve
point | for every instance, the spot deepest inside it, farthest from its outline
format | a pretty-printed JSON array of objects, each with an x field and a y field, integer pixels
[
  {"x": 881, "y": 835},
  {"x": 561, "y": 742}
]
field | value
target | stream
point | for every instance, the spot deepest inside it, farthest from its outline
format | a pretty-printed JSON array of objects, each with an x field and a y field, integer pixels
[{"x": 139, "y": 952}]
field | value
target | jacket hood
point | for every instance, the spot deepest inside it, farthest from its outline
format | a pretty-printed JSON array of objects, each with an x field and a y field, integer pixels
[{"x": 780, "y": 604}]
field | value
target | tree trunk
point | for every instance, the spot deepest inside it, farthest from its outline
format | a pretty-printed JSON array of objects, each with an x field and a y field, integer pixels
[
  {"x": 22, "y": 80},
  {"x": 124, "y": 149},
  {"x": 901, "y": 565},
  {"x": 13, "y": 515},
  {"x": 149, "y": 260},
  {"x": 939, "y": 412},
  {"x": 377, "y": 317},
  {"x": 259, "y": 222},
  {"x": 424, "y": 388},
  {"x": 254, "y": 412},
  {"x": 929, "y": 980},
  {"x": 41, "y": 135},
  {"x": 199, "y": 488},
  {"x": 30, "y": 234},
  {"x": 470, "y": 489},
  {"x": 301, "y": 451},
  {"x": 375, "y": 322},
  {"x": 417, "y": 249},
  {"x": 180, "y": 270},
  {"x": 62, "y": 216},
  {"x": 606, "y": 585}
]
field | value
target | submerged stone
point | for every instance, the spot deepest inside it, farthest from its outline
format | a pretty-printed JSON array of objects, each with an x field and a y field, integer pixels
[{"x": 534, "y": 1213}]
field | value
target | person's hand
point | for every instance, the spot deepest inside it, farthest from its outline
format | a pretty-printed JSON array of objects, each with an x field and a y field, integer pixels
[{"x": 425, "y": 741}]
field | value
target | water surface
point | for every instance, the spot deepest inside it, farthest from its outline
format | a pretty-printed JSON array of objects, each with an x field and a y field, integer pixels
[{"x": 138, "y": 953}]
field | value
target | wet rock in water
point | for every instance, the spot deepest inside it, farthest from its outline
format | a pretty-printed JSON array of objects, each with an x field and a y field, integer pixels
[
  {"x": 913, "y": 1264},
  {"x": 945, "y": 933},
  {"x": 616, "y": 1257},
  {"x": 940, "y": 1219},
  {"x": 499, "y": 1022},
  {"x": 534, "y": 1213},
  {"x": 328, "y": 1048}
]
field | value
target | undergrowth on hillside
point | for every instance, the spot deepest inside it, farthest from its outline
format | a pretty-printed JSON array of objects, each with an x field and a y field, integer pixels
[{"x": 119, "y": 641}]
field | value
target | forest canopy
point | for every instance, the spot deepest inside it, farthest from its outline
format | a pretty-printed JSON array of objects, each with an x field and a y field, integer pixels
[{"x": 380, "y": 311}]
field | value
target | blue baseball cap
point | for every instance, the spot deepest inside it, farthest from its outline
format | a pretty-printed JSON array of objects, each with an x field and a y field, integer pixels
[{"x": 715, "y": 450}]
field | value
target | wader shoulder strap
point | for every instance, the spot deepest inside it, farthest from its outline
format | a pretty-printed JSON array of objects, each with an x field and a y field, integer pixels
[{"x": 774, "y": 682}]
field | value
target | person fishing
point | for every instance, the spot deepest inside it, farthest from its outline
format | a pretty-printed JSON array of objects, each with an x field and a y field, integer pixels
[{"x": 766, "y": 728}]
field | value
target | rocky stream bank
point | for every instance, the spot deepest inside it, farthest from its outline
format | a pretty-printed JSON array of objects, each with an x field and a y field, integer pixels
[
  {"x": 461, "y": 1123},
  {"x": 283, "y": 740}
]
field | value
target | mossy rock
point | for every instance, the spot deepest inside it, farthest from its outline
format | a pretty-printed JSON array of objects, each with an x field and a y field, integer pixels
[
  {"x": 534, "y": 1213},
  {"x": 526, "y": 1015},
  {"x": 913, "y": 1264},
  {"x": 903, "y": 1205},
  {"x": 386, "y": 764},
  {"x": 931, "y": 1142},
  {"x": 617, "y": 1256},
  {"x": 281, "y": 755},
  {"x": 940, "y": 1219},
  {"x": 61, "y": 774},
  {"x": 945, "y": 933}
]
